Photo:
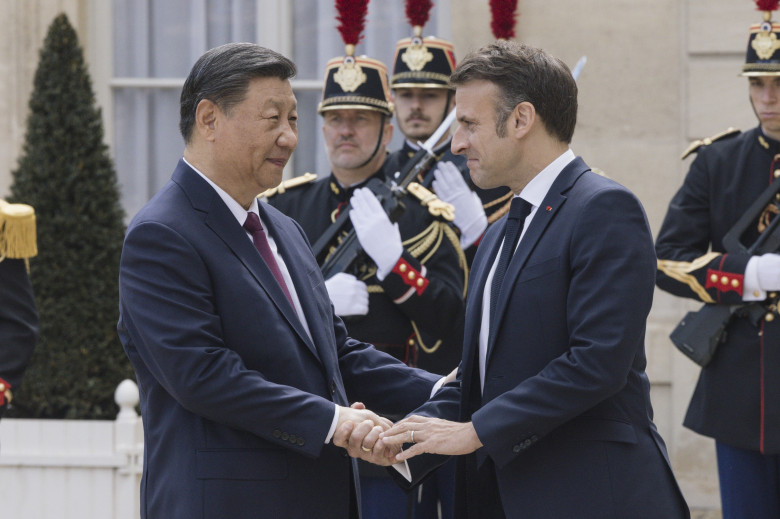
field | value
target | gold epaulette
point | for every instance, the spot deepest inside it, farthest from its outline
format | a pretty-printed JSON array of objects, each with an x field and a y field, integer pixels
[
  {"x": 435, "y": 206},
  {"x": 695, "y": 145},
  {"x": 17, "y": 231},
  {"x": 290, "y": 183}
]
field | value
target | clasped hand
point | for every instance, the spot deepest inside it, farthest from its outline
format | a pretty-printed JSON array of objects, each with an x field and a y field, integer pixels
[
  {"x": 380, "y": 443},
  {"x": 358, "y": 432}
]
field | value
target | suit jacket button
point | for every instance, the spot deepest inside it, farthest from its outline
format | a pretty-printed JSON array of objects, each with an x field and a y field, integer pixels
[
  {"x": 293, "y": 438},
  {"x": 277, "y": 433},
  {"x": 301, "y": 442},
  {"x": 517, "y": 448},
  {"x": 285, "y": 436},
  {"x": 333, "y": 386}
]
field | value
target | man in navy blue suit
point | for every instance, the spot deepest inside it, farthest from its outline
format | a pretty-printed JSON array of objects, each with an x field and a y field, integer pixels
[
  {"x": 244, "y": 370},
  {"x": 551, "y": 408}
]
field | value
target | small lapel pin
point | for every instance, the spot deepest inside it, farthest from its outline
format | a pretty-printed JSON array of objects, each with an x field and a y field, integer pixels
[{"x": 548, "y": 208}]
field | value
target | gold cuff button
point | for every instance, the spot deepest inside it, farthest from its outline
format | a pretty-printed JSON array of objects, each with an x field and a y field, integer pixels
[
  {"x": 402, "y": 267},
  {"x": 714, "y": 278},
  {"x": 735, "y": 283},
  {"x": 724, "y": 280},
  {"x": 411, "y": 275}
]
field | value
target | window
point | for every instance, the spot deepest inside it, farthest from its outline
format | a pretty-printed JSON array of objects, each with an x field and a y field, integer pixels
[{"x": 155, "y": 43}]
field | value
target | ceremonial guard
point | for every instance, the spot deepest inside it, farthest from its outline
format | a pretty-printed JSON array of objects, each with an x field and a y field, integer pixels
[
  {"x": 423, "y": 99},
  {"x": 405, "y": 291},
  {"x": 18, "y": 313},
  {"x": 737, "y": 397}
]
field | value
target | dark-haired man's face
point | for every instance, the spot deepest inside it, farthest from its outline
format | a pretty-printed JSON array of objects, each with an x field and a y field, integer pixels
[
  {"x": 257, "y": 136},
  {"x": 419, "y": 111},
  {"x": 491, "y": 159},
  {"x": 765, "y": 98}
]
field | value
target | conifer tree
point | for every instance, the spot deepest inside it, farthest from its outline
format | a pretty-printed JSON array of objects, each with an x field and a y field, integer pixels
[{"x": 66, "y": 174}]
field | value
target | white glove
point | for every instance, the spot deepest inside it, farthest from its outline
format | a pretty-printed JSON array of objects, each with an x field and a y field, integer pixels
[
  {"x": 470, "y": 216},
  {"x": 380, "y": 238},
  {"x": 348, "y": 294},
  {"x": 768, "y": 270}
]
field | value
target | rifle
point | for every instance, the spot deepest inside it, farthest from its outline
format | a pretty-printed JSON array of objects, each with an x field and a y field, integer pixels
[
  {"x": 699, "y": 333},
  {"x": 389, "y": 194}
]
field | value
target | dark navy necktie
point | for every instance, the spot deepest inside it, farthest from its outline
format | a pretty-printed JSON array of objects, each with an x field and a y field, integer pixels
[
  {"x": 255, "y": 228},
  {"x": 518, "y": 211}
]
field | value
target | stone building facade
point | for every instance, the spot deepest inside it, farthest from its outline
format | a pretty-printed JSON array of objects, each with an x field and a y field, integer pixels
[{"x": 658, "y": 75}]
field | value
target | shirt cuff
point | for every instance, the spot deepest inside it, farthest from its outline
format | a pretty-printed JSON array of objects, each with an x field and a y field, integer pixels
[
  {"x": 437, "y": 386},
  {"x": 403, "y": 469},
  {"x": 751, "y": 290},
  {"x": 333, "y": 424}
]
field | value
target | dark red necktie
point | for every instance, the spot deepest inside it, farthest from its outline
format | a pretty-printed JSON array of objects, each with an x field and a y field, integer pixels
[{"x": 255, "y": 228}]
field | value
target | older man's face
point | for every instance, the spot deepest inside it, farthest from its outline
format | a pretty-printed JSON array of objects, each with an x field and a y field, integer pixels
[
  {"x": 257, "y": 136},
  {"x": 351, "y": 136}
]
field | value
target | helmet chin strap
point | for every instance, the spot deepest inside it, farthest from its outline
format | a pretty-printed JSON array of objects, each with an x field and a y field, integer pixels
[
  {"x": 446, "y": 109},
  {"x": 378, "y": 141}
]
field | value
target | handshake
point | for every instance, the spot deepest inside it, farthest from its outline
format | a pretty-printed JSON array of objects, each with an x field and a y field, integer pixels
[
  {"x": 375, "y": 439},
  {"x": 358, "y": 431}
]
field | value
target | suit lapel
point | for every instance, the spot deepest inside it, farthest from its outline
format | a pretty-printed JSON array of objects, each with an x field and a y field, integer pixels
[
  {"x": 220, "y": 220},
  {"x": 293, "y": 258},
  {"x": 545, "y": 213}
]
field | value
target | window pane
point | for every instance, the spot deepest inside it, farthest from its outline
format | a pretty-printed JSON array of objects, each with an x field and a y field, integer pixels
[{"x": 148, "y": 143}]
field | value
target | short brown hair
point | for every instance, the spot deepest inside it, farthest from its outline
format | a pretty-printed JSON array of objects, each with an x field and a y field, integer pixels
[{"x": 524, "y": 73}]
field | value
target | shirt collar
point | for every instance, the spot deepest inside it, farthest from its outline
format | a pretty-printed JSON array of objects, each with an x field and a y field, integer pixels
[
  {"x": 239, "y": 212},
  {"x": 535, "y": 191}
]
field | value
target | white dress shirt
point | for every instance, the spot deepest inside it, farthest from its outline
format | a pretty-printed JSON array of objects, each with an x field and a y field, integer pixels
[{"x": 534, "y": 194}]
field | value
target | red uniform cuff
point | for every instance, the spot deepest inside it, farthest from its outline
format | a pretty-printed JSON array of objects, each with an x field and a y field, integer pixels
[
  {"x": 411, "y": 276},
  {"x": 4, "y": 387},
  {"x": 725, "y": 281}
]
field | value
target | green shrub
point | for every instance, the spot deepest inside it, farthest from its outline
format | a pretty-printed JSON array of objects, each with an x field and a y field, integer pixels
[{"x": 66, "y": 174}]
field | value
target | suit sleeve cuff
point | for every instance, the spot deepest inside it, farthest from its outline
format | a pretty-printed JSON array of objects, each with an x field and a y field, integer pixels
[
  {"x": 332, "y": 429},
  {"x": 403, "y": 469}
]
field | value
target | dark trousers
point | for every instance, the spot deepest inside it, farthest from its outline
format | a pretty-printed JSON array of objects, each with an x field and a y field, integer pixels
[
  {"x": 749, "y": 483},
  {"x": 382, "y": 498},
  {"x": 481, "y": 499},
  {"x": 438, "y": 490}
]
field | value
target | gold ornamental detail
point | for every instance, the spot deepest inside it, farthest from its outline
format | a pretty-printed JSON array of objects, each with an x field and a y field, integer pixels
[
  {"x": 765, "y": 44},
  {"x": 417, "y": 56},
  {"x": 349, "y": 76}
]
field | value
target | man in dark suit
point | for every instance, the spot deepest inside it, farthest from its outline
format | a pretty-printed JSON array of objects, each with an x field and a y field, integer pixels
[
  {"x": 18, "y": 313},
  {"x": 242, "y": 365},
  {"x": 551, "y": 407}
]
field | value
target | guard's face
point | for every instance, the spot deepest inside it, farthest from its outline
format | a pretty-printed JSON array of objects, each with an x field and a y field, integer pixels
[
  {"x": 491, "y": 159},
  {"x": 765, "y": 98},
  {"x": 351, "y": 136},
  {"x": 255, "y": 139},
  {"x": 419, "y": 111}
]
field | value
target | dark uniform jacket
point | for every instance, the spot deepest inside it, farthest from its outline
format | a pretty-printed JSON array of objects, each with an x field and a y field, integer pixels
[
  {"x": 495, "y": 201},
  {"x": 737, "y": 398},
  {"x": 410, "y": 317},
  {"x": 18, "y": 324}
]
